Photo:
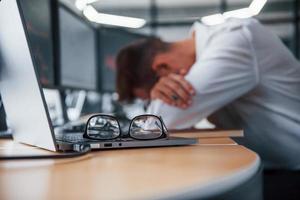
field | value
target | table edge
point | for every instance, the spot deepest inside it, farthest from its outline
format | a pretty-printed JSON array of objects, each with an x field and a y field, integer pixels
[{"x": 215, "y": 187}]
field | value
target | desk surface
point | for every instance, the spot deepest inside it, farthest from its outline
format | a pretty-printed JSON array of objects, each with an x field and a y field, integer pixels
[{"x": 215, "y": 165}]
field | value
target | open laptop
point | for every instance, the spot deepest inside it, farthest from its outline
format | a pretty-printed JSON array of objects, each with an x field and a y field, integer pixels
[{"x": 23, "y": 97}]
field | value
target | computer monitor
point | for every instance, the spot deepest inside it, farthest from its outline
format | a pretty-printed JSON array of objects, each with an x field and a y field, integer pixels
[
  {"x": 110, "y": 42},
  {"x": 38, "y": 20},
  {"x": 3, "y": 125},
  {"x": 77, "y": 47}
]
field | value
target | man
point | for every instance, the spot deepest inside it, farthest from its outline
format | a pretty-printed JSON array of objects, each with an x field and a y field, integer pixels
[{"x": 239, "y": 71}]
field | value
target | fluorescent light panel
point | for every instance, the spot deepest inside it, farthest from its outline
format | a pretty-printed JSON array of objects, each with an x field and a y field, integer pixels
[
  {"x": 80, "y": 5},
  {"x": 115, "y": 20},
  {"x": 130, "y": 22},
  {"x": 256, "y": 6},
  {"x": 254, "y": 9},
  {"x": 240, "y": 13}
]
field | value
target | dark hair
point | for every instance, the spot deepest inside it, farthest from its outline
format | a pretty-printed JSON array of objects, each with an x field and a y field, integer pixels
[{"x": 134, "y": 67}]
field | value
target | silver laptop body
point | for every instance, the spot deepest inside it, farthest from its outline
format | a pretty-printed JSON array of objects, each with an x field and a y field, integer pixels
[{"x": 23, "y": 97}]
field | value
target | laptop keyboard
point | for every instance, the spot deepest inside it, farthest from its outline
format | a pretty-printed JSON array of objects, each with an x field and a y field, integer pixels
[{"x": 71, "y": 137}]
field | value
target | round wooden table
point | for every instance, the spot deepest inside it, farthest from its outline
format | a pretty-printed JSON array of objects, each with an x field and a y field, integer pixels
[{"x": 212, "y": 168}]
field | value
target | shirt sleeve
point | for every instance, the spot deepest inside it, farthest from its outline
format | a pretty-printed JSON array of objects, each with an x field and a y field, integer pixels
[{"x": 225, "y": 71}]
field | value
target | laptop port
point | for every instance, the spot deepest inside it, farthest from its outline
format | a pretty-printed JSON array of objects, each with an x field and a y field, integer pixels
[
  {"x": 107, "y": 144},
  {"x": 120, "y": 144}
]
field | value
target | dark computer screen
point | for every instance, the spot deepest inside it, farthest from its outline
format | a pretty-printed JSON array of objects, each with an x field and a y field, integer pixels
[
  {"x": 38, "y": 19},
  {"x": 78, "y": 64},
  {"x": 110, "y": 42},
  {"x": 3, "y": 125}
]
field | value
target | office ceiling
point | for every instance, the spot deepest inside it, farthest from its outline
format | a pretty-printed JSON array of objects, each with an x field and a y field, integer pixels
[
  {"x": 163, "y": 3},
  {"x": 174, "y": 9},
  {"x": 180, "y": 10}
]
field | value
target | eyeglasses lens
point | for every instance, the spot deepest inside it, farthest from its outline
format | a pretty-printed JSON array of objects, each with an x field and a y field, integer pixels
[
  {"x": 146, "y": 128},
  {"x": 103, "y": 128}
]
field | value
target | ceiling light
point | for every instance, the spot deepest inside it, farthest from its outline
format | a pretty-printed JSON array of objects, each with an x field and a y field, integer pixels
[
  {"x": 254, "y": 9},
  {"x": 130, "y": 22},
  {"x": 80, "y": 4},
  {"x": 256, "y": 6},
  {"x": 240, "y": 13}
]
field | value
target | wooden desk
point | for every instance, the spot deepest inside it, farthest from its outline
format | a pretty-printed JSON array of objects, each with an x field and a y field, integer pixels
[{"x": 215, "y": 166}]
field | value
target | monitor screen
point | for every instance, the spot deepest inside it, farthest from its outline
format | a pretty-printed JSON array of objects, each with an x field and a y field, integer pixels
[
  {"x": 3, "y": 125},
  {"x": 78, "y": 62},
  {"x": 38, "y": 20},
  {"x": 111, "y": 41}
]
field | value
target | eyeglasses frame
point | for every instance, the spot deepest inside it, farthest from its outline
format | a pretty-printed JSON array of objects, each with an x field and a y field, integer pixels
[{"x": 163, "y": 135}]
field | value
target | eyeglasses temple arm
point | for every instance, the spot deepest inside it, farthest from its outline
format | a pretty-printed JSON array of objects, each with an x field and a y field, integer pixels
[{"x": 164, "y": 125}]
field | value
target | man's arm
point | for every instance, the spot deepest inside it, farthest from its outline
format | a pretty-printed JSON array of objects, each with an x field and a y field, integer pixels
[
  {"x": 173, "y": 90},
  {"x": 225, "y": 71}
]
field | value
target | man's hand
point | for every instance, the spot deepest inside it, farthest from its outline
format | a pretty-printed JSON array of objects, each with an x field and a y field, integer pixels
[{"x": 173, "y": 90}]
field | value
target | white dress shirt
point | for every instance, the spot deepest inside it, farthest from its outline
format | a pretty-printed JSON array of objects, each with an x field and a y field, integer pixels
[{"x": 245, "y": 69}]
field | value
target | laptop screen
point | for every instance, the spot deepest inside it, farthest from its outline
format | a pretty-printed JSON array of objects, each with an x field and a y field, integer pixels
[{"x": 20, "y": 89}]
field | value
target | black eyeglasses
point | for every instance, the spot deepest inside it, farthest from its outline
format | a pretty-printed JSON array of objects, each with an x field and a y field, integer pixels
[{"x": 142, "y": 127}]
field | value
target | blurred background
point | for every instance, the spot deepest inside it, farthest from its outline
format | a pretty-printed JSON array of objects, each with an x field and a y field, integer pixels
[{"x": 75, "y": 43}]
